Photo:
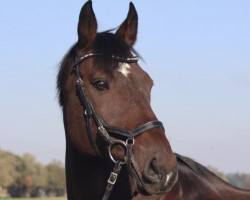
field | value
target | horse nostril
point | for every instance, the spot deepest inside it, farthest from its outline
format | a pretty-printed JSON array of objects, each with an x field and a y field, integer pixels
[
  {"x": 154, "y": 172},
  {"x": 153, "y": 166}
]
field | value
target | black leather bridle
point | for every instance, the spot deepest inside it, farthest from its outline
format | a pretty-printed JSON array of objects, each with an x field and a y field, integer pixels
[{"x": 104, "y": 130}]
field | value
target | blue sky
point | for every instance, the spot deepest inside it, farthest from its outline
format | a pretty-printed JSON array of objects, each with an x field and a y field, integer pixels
[{"x": 197, "y": 52}]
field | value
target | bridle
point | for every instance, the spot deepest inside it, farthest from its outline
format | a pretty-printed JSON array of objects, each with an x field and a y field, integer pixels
[{"x": 104, "y": 130}]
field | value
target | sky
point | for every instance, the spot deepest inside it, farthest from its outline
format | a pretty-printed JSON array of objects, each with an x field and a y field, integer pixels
[{"x": 197, "y": 53}]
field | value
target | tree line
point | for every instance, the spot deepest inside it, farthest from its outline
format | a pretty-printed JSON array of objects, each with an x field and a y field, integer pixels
[{"x": 23, "y": 176}]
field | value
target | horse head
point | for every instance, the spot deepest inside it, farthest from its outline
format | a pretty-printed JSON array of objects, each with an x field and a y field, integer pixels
[{"x": 105, "y": 96}]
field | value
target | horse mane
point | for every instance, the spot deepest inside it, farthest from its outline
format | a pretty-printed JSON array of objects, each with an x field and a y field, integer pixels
[
  {"x": 107, "y": 44},
  {"x": 197, "y": 168},
  {"x": 63, "y": 71}
]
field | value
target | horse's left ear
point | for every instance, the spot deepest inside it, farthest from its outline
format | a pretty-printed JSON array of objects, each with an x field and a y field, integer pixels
[
  {"x": 128, "y": 29},
  {"x": 87, "y": 25}
]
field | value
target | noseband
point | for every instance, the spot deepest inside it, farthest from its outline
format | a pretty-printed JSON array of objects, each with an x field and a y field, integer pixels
[{"x": 105, "y": 130}]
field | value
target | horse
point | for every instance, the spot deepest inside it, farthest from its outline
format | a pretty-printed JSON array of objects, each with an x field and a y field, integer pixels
[{"x": 116, "y": 148}]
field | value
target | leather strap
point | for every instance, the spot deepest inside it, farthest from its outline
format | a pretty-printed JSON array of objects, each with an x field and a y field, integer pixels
[
  {"x": 134, "y": 133},
  {"x": 112, "y": 180}
]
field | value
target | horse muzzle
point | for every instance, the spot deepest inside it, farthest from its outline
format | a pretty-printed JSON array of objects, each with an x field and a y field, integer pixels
[
  {"x": 154, "y": 179},
  {"x": 161, "y": 182}
]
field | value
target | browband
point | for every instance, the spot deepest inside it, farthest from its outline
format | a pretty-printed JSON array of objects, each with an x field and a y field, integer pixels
[{"x": 116, "y": 58}]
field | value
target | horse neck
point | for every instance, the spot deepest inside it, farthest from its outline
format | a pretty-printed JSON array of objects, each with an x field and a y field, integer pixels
[
  {"x": 87, "y": 177},
  {"x": 236, "y": 193},
  {"x": 229, "y": 192},
  {"x": 193, "y": 186}
]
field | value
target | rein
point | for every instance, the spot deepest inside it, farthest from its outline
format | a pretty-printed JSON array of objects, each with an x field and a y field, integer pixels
[{"x": 104, "y": 130}]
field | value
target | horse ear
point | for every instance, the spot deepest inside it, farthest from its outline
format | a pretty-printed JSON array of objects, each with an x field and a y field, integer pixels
[
  {"x": 128, "y": 29},
  {"x": 87, "y": 25}
]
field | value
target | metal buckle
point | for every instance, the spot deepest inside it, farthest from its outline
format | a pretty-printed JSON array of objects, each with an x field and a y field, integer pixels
[{"x": 112, "y": 178}]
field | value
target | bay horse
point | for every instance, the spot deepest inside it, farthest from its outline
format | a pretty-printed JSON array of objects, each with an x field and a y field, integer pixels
[{"x": 115, "y": 146}]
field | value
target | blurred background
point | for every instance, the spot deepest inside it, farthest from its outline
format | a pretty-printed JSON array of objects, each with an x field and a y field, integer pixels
[{"x": 197, "y": 53}]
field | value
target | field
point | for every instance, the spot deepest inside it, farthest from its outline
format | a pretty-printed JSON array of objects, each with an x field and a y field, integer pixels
[{"x": 49, "y": 198}]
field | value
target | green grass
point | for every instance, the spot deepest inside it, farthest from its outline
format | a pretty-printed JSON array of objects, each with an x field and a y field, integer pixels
[{"x": 49, "y": 198}]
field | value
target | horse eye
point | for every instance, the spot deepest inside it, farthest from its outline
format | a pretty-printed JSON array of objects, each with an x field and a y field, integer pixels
[{"x": 101, "y": 85}]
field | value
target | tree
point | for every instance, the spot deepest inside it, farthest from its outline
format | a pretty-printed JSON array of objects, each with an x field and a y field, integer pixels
[
  {"x": 236, "y": 179},
  {"x": 35, "y": 170},
  {"x": 24, "y": 181},
  {"x": 24, "y": 176},
  {"x": 8, "y": 168},
  {"x": 247, "y": 182},
  {"x": 56, "y": 178}
]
